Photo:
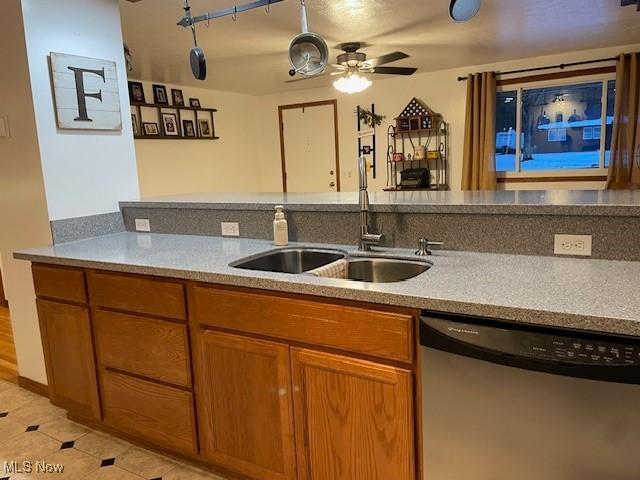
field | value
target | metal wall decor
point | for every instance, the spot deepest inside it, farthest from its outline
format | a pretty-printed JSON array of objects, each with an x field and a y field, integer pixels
[{"x": 370, "y": 132}]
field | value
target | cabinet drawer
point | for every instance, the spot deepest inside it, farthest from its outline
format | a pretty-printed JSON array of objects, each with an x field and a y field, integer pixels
[
  {"x": 160, "y": 414},
  {"x": 354, "y": 329},
  {"x": 152, "y": 348},
  {"x": 137, "y": 294},
  {"x": 59, "y": 283}
]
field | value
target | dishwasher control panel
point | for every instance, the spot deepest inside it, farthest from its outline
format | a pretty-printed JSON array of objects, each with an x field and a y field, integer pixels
[{"x": 553, "y": 350}]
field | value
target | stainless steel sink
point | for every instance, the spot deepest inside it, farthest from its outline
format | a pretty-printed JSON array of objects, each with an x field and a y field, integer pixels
[
  {"x": 289, "y": 260},
  {"x": 384, "y": 270}
]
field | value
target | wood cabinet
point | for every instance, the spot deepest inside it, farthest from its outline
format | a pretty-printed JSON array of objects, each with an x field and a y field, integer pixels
[
  {"x": 69, "y": 357},
  {"x": 156, "y": 413},
  {"x": 149, "y": 347},
  {"x": 244, "y": 403},
  {"x": 263, "y": 385},
  {"x": 353, "y": 418}
]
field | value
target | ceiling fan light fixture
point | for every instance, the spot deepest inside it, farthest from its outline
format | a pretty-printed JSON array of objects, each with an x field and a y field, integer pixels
[
  {"x": 352, "y": 83},
  {"x": 464, "y": 10}
]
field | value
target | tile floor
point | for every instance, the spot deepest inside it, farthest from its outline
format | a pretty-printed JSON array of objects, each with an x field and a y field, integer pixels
[{"x": 31, "y": 429}]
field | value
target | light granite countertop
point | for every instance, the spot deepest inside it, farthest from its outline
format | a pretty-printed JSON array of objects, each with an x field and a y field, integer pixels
[
  {"x": 539, "y": 202},
  {"x": 596, "y": 295}
]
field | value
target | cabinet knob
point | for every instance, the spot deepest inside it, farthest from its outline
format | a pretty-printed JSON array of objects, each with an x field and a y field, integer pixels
[{"x": 332, "y": 184}]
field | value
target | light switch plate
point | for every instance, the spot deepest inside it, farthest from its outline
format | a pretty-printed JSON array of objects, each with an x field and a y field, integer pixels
[
  {"x": 572, "y": 245},
  {"x": 143, "y": 225},
  {"x": 230, "y": 229}
]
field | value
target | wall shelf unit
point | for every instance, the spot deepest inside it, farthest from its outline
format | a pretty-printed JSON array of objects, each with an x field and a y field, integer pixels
[
  {"x": 161, "y": 108},
  {"x": 418, "y": 129}
]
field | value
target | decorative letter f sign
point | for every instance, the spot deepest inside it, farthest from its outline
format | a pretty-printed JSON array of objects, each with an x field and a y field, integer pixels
[{"x": 82, "y": 95}]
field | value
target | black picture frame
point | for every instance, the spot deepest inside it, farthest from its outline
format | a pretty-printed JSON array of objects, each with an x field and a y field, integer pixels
[
  {"x": 160, "y": 95},
  {"x": 194, "y": 102},
  {"x": 135, "y": 124},
  {"x": 151, "y": 129},
  {"x": 188, "y": 128},
  {"x": 177, "y": 97},
  {"x": 204, "y": 127},
  {"x": 170, "y": 125},
  {"x": 136, "y": 92}
]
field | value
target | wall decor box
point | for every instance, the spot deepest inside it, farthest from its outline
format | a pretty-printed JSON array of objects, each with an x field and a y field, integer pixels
[{"x": 86, "y": 93}]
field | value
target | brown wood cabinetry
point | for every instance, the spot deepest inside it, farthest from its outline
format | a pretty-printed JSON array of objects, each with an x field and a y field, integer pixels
[
  {"x": 353, "y": 418},
  {"x": 283, "y": 387},
  {"x": 157, "y": 413},
  {"x": 245, "y": 405},
  {"x": 68, "y": 350},
  {"x": 378, "y": 333},
  {"x": 148, "y": 347}
]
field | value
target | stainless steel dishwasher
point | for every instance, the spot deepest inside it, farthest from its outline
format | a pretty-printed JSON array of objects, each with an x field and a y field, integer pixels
[{"x": 506, "y": 401}]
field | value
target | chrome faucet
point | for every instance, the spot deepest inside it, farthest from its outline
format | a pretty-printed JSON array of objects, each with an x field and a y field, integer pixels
[{"x": 367, "y": 239}]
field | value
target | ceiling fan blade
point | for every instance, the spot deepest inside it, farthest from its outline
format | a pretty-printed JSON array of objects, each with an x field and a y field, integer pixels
[
  {"x": 338, "y": 73},
  {"x": 395, "y": 70},
  {"x": 390, "y": 57}
]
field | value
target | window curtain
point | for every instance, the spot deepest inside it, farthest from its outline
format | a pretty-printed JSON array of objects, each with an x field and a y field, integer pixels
[
  {"x": 624, "y": 165},
  {"x": 479, "y": 157}
]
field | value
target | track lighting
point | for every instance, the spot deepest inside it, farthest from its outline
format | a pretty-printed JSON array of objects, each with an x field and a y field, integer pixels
[{"x": 463, "y": 10}]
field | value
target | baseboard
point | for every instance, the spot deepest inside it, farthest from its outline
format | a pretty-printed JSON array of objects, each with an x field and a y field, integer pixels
[{"x": 33, "y": 386}]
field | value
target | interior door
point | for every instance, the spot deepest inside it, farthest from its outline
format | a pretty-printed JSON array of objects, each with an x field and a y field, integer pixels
[
  {"x": 309, "y": 148},
  {"x": 353, "y": 418}
]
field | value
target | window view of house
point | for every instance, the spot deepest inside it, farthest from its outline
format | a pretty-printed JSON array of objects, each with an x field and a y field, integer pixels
[{"x": 560, "y": 126}]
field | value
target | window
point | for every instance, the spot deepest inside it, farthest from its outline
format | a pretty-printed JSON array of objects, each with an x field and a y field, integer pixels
[{"x": 555, "y": 127}]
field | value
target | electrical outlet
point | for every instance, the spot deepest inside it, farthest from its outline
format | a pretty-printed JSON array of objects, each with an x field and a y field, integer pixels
[
  {"x": 572, "y": 245},
  {"x": 230, "y": 229},
  {"x": 143, "y": 225}
]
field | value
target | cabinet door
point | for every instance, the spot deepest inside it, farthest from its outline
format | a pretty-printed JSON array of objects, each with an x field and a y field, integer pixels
[
  {"x": 353, "y": 418},
  {"x": 68, "y": 348},
  {"x": 244, "y": 405}
]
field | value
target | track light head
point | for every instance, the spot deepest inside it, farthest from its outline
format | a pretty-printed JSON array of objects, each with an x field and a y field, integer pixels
[{"x": 464, "y": 10}]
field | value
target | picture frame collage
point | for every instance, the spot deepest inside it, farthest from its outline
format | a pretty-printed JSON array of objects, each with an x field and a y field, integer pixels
[{"x": 170, "y": 124}]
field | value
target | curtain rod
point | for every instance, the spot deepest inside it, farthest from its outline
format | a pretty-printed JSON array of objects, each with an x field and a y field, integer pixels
[{"x": 561, "y": 66}]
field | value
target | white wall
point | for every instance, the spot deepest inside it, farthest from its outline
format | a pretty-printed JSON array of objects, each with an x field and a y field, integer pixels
[
  {"x": 224, "y": 165},
  {"x": 47, "y": 174},
  {"x": 85, "y": 173},
  {"x": 24, "y": 220}
]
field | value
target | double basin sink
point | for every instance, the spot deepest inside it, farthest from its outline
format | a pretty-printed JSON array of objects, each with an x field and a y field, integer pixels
[{"x": 360, "y": 268}]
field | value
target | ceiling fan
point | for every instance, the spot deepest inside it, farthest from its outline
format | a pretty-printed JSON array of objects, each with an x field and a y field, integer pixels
[{"x": 352, "y": 63}]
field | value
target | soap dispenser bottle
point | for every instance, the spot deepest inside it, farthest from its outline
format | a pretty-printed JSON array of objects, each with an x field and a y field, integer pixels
[{"x": 280, "y": 228}]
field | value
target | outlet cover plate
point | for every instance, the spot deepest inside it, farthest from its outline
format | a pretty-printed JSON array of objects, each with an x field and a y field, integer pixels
[
  {"x": 575, "y": 245},
  {"x": 230, "y": 229},
  {"x": 143, "y": 225}
]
